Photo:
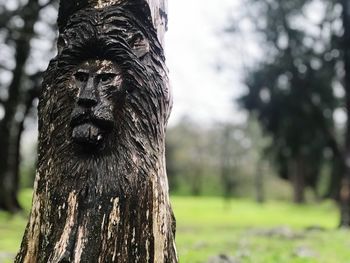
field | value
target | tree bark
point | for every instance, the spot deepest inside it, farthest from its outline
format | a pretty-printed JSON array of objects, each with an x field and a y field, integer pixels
[{"x": 101, "y": 191}]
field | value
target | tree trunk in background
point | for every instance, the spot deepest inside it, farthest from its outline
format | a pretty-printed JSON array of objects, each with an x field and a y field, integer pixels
[
  {"x": 196, "y": 184},
  {"x": 27, "y": 107},
  {"x": 259, "y": 182},
  {"x": 10, "y": 127},
  {"x": 345, "y": 186},
  {"x": 227, "y": 167},
  {"x": 14, "y": 159},
  {"x": 296, "y": 171},
  {"x": 337, "y": 172},
  {"x": 101, "y": 191}
]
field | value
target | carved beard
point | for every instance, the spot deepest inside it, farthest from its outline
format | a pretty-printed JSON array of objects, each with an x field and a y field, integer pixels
[{"x": 101, "y": 183}]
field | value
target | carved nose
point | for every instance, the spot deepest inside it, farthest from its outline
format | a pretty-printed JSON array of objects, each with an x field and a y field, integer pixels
[{"x": 87, "y": 96}]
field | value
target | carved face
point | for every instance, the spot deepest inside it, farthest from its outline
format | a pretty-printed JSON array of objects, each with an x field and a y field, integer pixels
[
  {"x": 99, "y": 85},
  {"x": 107, "y": 90}
]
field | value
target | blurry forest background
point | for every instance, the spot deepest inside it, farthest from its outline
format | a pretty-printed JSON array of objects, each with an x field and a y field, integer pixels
[{"x": 293, "y": 145}]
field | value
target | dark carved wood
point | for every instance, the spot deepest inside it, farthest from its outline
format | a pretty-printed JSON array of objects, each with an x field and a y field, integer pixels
[{"x": 101, "y": 192}]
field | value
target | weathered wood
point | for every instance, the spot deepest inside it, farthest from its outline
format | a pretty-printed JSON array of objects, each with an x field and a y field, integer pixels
[
  {"x": 101, "y": 191},
  {"x": 159, "y": 11}
]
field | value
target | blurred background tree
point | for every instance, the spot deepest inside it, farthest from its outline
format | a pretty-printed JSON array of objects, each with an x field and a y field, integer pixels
[
  {"x": 224, "y": 159},
  {"x": 26, "y": 45},
  {"x": 299, "y": 89},
  {"x": 291, "y": 89}
]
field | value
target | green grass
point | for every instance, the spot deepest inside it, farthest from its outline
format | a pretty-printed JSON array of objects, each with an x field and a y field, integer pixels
[
  {"x": 242, "y": 229},
  {"x": 12, "y": 228},
  {"x": 249, "y": 232}
]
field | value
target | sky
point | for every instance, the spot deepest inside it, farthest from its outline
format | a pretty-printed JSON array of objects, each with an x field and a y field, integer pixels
[{"x": 194, "y": 47}]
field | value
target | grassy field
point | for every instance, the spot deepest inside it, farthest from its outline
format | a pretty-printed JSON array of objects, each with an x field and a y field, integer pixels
[
  {"x": 248, "y": 232},
  {"x": 245, "y": 231}
]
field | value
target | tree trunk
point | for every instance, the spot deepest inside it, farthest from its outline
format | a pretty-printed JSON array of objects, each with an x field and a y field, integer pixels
[
  {"x": 196, "y": 184},
  {"x": 296, "y": 171},
  {"x": 259, "y": 182},
  {"x": 345, "y": 187},
  {"x": 227, "y": 169},
  {"x": 337, "y": 172},
  {"x": 101, "y": 191},
  {"x": 10, "y": 129}
]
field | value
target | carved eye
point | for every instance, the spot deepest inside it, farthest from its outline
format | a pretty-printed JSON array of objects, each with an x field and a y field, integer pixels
[
  {"x": 106, "y": 77},
  {"x": 81, "y": 76}
]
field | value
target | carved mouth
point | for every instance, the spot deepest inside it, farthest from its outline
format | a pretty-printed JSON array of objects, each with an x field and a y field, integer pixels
[
  {"x": 90, "y": 132},
  {"x": 87, "y": 134}
]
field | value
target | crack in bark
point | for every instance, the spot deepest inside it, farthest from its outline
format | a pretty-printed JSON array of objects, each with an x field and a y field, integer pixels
[{"x": 69, "y": 231}]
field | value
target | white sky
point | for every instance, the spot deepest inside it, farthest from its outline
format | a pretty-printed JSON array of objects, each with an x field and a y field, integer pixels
[{"x": 193, "y": 48}]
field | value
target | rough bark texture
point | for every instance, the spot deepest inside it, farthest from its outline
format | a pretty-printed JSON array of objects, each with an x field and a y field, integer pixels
[{"x": 101, "y": 191}]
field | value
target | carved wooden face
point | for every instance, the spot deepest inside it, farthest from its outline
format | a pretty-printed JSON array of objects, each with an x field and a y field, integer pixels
[{"x": 99, "y": 85}]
